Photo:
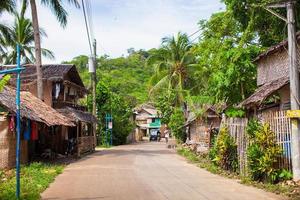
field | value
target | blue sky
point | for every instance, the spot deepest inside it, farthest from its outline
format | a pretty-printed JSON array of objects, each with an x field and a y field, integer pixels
[{"x": 122, "y": 24}]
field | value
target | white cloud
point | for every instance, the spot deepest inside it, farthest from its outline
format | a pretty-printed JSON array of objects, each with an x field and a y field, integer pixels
[{"x": 121, "y": 24}]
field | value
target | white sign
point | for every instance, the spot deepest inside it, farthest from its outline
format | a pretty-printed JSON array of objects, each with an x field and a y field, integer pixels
[
  {"x": 91, "y": 65},
  {"x": 110, "y": 125}
]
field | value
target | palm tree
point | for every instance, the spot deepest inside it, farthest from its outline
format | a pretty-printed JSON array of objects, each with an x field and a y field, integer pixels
[
  {"x": 7, "y": 5},
  {"x": 61, "y": 15},
  {"x": 21, "y": 32},
  {"x": 172, "y": 64}
]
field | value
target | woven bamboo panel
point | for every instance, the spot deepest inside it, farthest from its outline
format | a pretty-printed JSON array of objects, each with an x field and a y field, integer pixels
[
  {"x": 279, "y": 124},
  {"x": 8, "y": 147}
]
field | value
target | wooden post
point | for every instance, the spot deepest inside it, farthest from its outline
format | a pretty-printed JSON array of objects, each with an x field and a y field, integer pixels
[
  {"x": 77, "y": 138},
  {"x": 294, "y": 79},
  {"x": 294, "y": 88}
]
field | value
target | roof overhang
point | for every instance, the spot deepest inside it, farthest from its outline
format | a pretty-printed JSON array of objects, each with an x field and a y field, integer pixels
[
  {"x": 78, "y": 115},
  {"x": 264, "y": 92},
  {"x": 33, "y": 108}
]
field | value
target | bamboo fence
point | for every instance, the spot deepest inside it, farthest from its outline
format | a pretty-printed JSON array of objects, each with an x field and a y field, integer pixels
[{"x": 279, "y": 123}]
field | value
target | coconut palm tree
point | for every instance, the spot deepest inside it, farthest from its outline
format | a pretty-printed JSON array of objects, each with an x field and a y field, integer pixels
[
  {"x": 172, "y": 64},
  {"x": 21, "y": 32},
  {"x": 56, "y": 6},
  {"x": 7, "y": 5}
]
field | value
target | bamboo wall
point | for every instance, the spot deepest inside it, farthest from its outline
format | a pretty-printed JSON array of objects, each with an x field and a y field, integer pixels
[{"x": 8, "y": 146}]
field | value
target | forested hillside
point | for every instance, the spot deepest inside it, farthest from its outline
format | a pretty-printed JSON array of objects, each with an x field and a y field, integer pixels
[{"x": 127, "y": 76}]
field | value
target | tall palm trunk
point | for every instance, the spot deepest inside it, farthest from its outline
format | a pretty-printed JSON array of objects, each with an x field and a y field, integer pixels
[{"x": 38, "y": 56}]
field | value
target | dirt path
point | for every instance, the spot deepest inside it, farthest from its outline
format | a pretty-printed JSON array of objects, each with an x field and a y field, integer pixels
[{"x": 144, "y": 171}]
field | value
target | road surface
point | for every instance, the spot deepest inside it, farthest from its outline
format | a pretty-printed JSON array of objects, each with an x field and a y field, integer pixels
[{"x": 144, "y": 171}]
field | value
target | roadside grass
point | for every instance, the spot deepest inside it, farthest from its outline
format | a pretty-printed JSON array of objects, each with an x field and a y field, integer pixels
[
  {"x": 35, "y": 178},
  {"x": 202, "y": 161},
  {"x": 104, "y": 146}
]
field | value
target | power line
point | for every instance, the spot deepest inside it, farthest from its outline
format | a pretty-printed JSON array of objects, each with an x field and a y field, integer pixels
[
  {"x": 86, "y": 26},
  {"x": 194, "y": 33},
  {"x": 90, "y": 19}
]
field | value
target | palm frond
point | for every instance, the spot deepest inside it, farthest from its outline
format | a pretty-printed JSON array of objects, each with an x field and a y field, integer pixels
[{"x": 58, "y": 9}]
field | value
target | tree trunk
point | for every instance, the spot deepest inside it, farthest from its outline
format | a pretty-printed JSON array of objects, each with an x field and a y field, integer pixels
[{"x": 38, "y": 56}]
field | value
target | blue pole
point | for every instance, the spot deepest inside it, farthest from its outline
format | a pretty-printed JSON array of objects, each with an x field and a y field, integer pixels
[
  {"x": 106, "y": 129},
  {"x": 18, "y": 125},
  {"x": 111, "y": 131}
]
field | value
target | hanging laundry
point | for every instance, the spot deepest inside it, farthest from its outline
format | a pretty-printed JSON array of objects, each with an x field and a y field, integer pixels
[
  {"x": 27, "y": 130},
  {"x": 12, "y": 124},
  {"x": 57, "y": 90},
  {"x": 72, "y": 91},
  {"x": 34, "y": 131}
]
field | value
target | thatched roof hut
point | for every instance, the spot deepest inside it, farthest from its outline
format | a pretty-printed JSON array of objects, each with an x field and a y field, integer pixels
[
  {"x": 32, "y": 108},
  {"x": 263, "y": 92},
  {"x": 52, "y": 72},
  {"x": 282, "y": 46},
  {"x": 78, "y": 115}
]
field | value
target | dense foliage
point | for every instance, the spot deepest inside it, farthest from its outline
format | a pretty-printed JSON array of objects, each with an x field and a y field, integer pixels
[
  {"x": 109, "y": 102},
  {"x": 127, "y": 76},
  {"x": 176, "y": 125},
  {"x": 262, "y": 153},
  {"x": 253, "y": 17}
]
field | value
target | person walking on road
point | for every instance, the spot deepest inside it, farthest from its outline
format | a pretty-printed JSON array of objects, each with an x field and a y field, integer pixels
[{"x": 167, "y": 135}]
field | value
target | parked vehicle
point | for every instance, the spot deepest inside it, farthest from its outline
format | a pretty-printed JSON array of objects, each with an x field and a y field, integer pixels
[{"x": 153, "y": 134}]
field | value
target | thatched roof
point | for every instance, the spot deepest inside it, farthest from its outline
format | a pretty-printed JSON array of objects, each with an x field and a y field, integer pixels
[
  {"x": 52, "y": 72},
  {"x": 276, "y": 48},
  {"x": 217, "y": 109},
  {"x": 78, "y": 115},
  {"x": 264, "y": 92},
  {"x": 148, "y": 108},
  {"x": 32, "y": 108}
]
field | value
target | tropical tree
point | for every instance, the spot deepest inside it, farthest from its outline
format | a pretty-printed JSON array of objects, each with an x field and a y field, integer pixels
[
  {"x": 61, "y": 14},
  {"x": 7, "y": 5},
  {"x": 21, "y": 32},
  {"x": 268, "y": 27},
  {"x": 172, "y": 65},
  {"x": 224, "y": 57}
]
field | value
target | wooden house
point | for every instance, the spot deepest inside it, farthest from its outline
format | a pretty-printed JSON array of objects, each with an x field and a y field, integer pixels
[
  {"x": 200, "y": 127},
  {"x": 63, "y": 88},
  {"x": 273, "y": 92},
  {"x": 146, "y": 118},
  {"x": 33, "y": 111}
]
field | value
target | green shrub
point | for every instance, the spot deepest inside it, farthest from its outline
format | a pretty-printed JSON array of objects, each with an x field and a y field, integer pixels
[
  {"x": 262, "y": 153},
  {"x": 224, "y": 151},
  {"x": 176, "y": 123}
]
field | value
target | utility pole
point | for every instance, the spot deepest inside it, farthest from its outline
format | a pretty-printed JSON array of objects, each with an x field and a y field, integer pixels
[
  {"x": 93, "y": 76},
  {"x": 92, "y": 70},
  {"x": 94, "y": 81},
  {"x": 294, "y": 80},
  {"x": 294, "y": 87}
]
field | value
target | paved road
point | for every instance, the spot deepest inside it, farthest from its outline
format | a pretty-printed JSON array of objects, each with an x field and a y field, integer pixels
[{"x": 145, "y": 171}]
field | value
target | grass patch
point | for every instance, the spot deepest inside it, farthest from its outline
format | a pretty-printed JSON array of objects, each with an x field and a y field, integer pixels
[
  {"x": 203, "y": 161},
  {"x": 104, "y": 146},
  {"x": 35, "y": 178}
]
